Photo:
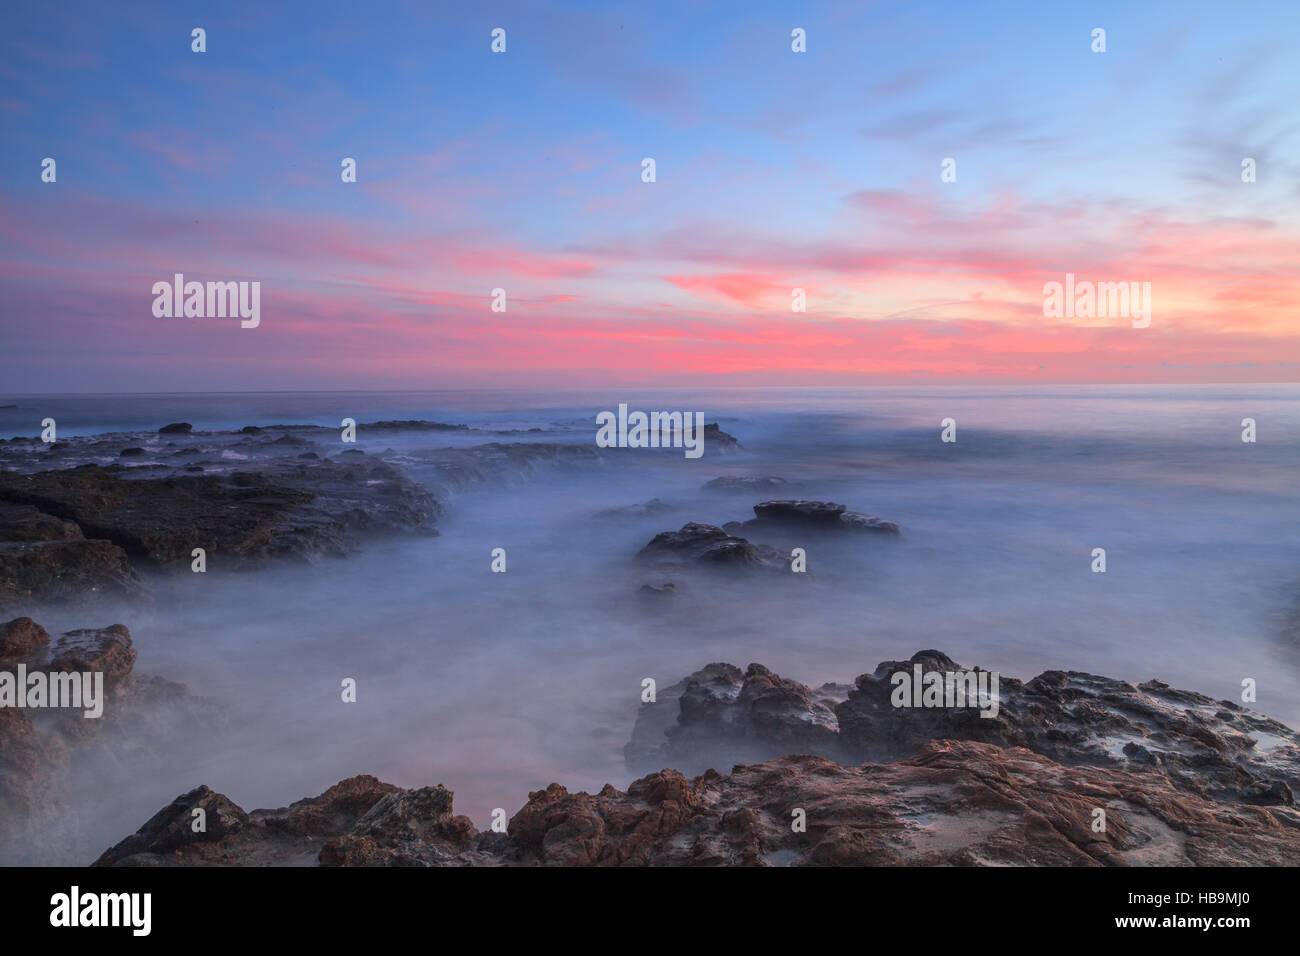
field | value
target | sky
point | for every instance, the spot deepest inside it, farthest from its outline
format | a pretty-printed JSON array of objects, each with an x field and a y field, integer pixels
[{"x": 775, "y": 170}]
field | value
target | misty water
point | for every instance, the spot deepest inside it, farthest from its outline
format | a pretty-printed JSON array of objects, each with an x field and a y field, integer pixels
[{"x": 498, "y": 684}]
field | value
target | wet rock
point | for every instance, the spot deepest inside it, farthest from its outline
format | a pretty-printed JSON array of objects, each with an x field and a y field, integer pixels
[
  {"x": 131, "y": 452},
  {"x": 176, "y": 428}
]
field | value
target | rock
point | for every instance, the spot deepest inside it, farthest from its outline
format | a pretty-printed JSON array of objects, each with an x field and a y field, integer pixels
[
  {"x": 33, "y": 819},
  {"x": 716, "y": 440},
  {"x": 131, "y": 452},
  {"x": 956, "y": 803},
  {"x": 176, "y": 428},
  {"x": 411, "y": 425},
  {"x": 709, "y": 545},
  {"x": 798, "y": 510},
  {"x": 800, "y": 514},
  {"x": 647, "y": 509},
  {"x": 357, "y": 822},
  {"x": 332, "y": 813},
  {"x": 1205, "y": 747},
  {"x": 143, "y": 722},
  {"x": 21, "y": 639},
  {"x": 171, "y": 829},
  {"x": 76, "y": 572},
  {"x": 299, "y": 509},
  {"x": 108, "y": 649},
  {"x": 25, "y": 523},
  {"x": 747, "y": 484},
  {"x": 720, "y": 715},
  {"x": 422, "y": 815},
  {"x": 668, "y": 589}
]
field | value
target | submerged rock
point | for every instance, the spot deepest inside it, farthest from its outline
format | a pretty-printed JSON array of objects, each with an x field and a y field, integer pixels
[
  {"x": 716, "y": 440},
  {"x": 708, "y": 544},
  {"x": 798, "y": 514},
  {"x": 646, "y": 509},
  {"x": 748, "y": 484}
]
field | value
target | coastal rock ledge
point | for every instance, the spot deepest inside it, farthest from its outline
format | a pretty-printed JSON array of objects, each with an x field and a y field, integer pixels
[{"x": 1076, "y": 770}]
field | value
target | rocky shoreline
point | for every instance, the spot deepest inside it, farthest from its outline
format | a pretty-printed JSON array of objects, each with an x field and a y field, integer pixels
[{"x": 1175, "y": 777}]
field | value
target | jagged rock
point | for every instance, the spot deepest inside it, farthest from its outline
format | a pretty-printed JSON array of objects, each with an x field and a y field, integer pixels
[
  {"x": 956, "y": 803},
  {"x": 334, "y": 812},
  {"x": 1206, "y": 747},
  {"x": 710, "y": 545},
  {"x": 720, "y": 715},
  {"x": 419, "y": 815},
  {"x": 171, "y": 829},
  {"x": 360, "y": 821}
]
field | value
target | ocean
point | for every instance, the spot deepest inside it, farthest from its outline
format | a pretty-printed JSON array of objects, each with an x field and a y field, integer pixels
[{"x": 499, "y": 684}]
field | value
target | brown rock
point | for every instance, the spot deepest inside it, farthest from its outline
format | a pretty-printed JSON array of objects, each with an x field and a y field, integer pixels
[{"x": 21, "y": 639}]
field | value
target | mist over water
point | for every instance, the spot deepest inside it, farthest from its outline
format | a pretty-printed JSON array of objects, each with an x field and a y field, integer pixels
[{"x": 498, "y": 684}]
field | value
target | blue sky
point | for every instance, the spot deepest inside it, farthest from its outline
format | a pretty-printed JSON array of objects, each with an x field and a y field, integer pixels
[{"x": 522, "y": 170}]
